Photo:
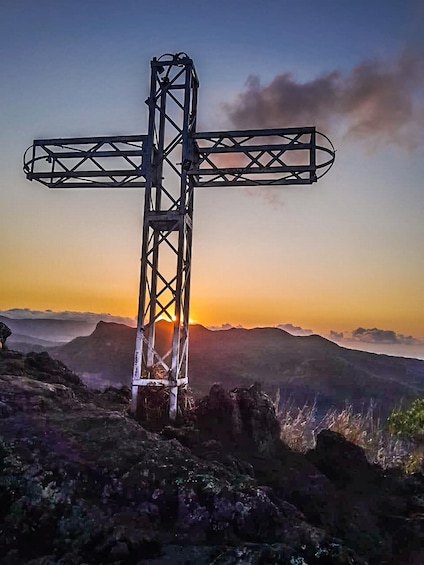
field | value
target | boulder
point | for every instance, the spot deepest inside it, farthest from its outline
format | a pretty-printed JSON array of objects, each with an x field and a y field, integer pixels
[
  {"x": 242, "y": 416},
  {"x": 5, "y": 332},
  {"x": 341, "y": 461},
  {"x": 41, "y": 366}
]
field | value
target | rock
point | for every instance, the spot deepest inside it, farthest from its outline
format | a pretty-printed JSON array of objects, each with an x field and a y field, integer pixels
[
  {"x": 83, "y": 482},
  {"x": 121, "y": 395},
  {"x": 340, "y": 460},
  {"x": 120, "y": 550},
  {"x": 243, "y": 416},
  {"x": 5, "y": 332},
  {"x": 43, "y": 367},
  {"x": 5, "y": 410},
  {"x": 187, "y": 435}
]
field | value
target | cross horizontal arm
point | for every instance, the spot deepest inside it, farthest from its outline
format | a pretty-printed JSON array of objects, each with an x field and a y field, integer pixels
[
  {"x": 260, "y": 157},
  {"x": 81, "y": 162}
]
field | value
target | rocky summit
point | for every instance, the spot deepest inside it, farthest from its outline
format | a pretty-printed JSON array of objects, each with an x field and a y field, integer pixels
[{"x": 82, "y": 482}]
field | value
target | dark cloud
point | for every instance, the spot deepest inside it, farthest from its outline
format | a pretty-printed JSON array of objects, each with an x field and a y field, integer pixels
[
  {"x": 333, "y": 335},
  {"x": 26, "y": 313},
  {"x": 376, "y": 335},
  {"x": 294, "y": 330},
  {"x": 380, "y": 101}
]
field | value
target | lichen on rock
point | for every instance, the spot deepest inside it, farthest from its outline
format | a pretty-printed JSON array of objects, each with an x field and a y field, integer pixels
[{"x": 81, "y": 481}]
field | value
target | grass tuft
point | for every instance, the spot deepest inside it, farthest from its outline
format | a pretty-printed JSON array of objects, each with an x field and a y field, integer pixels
[{"x": 300, "y": 427}]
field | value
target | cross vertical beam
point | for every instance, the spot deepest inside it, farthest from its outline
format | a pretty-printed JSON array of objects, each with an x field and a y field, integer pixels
[{"x": 167, "y": 229}]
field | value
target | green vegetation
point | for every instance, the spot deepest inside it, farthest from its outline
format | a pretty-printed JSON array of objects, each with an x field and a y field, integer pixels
[{"x": 409, "y": 423}]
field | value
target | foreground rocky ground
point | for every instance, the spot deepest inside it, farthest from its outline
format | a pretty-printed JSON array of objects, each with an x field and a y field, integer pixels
[{"x": 82, "y": 482}]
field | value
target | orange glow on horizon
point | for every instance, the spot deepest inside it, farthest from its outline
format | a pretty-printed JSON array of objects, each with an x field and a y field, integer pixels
[{"x": 167, "y": 317}]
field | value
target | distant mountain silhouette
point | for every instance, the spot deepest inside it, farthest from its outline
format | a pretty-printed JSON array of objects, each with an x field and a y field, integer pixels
[
  {"x": 45, "y": 331},
  {"x": 303, "y": 369}
]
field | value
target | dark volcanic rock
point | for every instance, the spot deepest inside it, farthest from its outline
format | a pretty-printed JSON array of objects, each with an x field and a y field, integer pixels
[
  {"x": 82, "y": 482},
  {"x": 42, "y": 367},
  {"x": 5, "y": 332},
  {"x": 243, "y": 416},
  {"x": 340, "y": 460}
]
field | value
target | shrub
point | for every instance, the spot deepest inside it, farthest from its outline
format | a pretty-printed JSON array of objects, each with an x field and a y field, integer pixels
[{"x": 409, "y": 423}]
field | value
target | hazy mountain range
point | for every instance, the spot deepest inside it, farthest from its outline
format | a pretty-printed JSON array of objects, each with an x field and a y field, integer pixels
[
  {"x": 44, "y": 332},
  {"x": 304, "y": 368},
  {"x": 301, "y": 368},
  {"x": 374, "y": 340}
]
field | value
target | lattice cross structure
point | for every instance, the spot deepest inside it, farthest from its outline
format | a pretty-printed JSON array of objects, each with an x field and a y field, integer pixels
[{"x": 169, "y": 163}]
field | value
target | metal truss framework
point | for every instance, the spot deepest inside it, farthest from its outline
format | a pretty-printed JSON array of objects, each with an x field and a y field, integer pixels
[
  {"x": 260, "y": 157},
  {"x": 167, "y": 228},
  {"x": 88, "y": 162},
  {"x": 170, "y": 161}
]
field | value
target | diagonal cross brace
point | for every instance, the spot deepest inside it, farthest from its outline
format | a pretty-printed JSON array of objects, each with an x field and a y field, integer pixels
[
  {"x": 88, "y": 162},
  {"x": 261, "y": 157}
]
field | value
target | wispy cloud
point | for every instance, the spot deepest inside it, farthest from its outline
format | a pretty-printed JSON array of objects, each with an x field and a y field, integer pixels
[
  {"x": 294, "y": 330},
  {"x": 378, "y": 101},
  {"x": 26, "y": 313},
  {"x": 335, "y": 336},
  {"x": 290, "y": 328},
  {"x": 225, "y": 326}
]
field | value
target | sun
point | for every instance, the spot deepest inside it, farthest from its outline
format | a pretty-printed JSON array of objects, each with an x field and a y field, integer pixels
[
  {"x": 172, "y": 318},
  {"x": 167, "y": 317}
]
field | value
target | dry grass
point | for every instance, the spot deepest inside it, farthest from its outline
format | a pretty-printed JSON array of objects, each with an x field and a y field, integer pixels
[{"x": 300, "y": 426}]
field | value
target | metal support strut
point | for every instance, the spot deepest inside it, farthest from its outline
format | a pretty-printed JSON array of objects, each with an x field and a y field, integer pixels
[{"x": 167, "y": 229}]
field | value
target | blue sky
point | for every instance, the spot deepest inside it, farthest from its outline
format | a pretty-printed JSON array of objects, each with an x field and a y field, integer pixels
[{"x": 343, "y": 254}]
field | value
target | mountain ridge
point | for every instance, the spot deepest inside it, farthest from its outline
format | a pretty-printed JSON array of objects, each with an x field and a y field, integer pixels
[{"x": 302, "y": 368}]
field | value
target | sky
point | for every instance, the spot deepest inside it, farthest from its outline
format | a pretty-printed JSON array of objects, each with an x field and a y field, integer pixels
[{"x": 343, "y": 257}]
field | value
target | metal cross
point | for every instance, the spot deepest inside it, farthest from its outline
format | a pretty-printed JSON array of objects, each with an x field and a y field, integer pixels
[{"x": 170, "y": 162}]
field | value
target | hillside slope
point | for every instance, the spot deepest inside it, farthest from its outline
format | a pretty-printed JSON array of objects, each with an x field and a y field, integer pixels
[{"x": 304, "y": 369}]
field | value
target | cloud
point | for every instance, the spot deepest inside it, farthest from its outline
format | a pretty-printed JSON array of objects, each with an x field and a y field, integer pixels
[
  {"x": 26, "y": 313},
  {"x": 373, "y": 335},
  {"x": 290, "y": 328},
  {"x": 378, "y": 101},
  {"x": 336, "y": 336},
  {"x": 294, "y": 330},
  {"x": 224, "y": 327},
  {"x": 376, "y": 335}
]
